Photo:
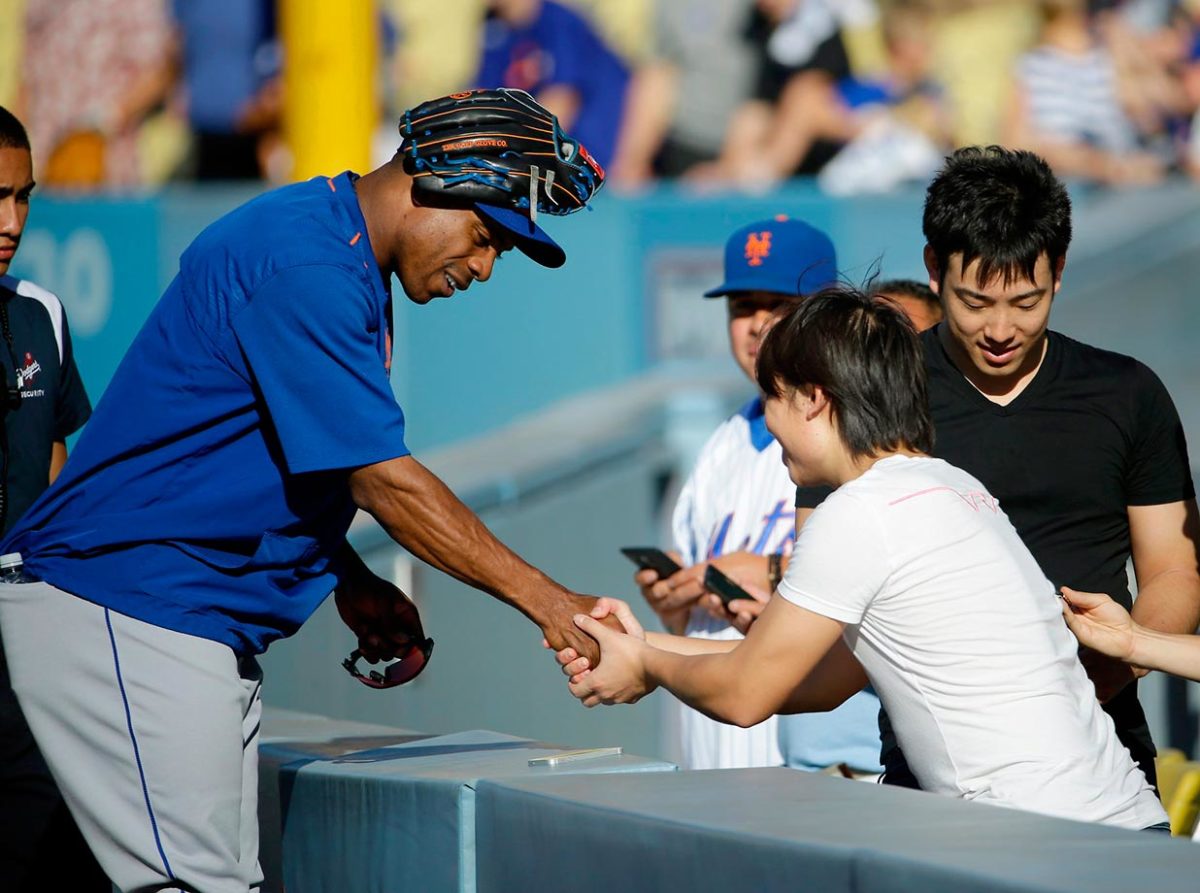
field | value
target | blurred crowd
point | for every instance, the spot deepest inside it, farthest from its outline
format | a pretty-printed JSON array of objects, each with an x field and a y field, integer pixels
[
  {"x": 125, "y": 93},
  {"x": 863, "y": 94}
]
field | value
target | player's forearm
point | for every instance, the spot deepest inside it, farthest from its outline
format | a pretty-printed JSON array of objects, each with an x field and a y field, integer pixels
[
  {"x": 1176, "y": 654},
  {"x": 421, "y": 514},
  {"x": 710, "y": 683}
]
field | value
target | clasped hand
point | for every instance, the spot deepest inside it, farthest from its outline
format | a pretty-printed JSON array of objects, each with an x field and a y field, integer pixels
[
  {"x": 560, "y": 632},
  {"x": 620, "y": 677}
]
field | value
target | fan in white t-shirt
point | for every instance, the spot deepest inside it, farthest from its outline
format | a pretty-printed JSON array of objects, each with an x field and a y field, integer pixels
[{"x": 910, "y": 576}]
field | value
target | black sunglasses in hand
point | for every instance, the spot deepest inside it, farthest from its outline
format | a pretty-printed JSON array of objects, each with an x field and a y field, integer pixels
[{"x": 405, "y": 668}]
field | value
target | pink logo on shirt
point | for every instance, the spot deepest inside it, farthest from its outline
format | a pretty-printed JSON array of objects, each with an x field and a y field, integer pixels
[{"x": 975, "y": 499}]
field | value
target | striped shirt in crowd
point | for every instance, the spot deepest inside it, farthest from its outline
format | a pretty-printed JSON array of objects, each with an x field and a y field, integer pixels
[{"x": 1073, "y": 97}]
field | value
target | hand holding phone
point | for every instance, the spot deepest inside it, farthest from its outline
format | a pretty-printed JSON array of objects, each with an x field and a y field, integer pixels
[
  {"x": 723, "y": 587},
  {"x": 651, "y": 558}
]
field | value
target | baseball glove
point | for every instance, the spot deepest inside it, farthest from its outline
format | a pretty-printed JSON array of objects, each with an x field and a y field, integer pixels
[{"x": 498, "y": 147}]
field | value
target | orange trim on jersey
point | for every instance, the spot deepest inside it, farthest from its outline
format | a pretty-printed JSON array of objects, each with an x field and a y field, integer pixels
[
  {"x": 332, "y": 187},
  {"x": 357, "y": 236}
]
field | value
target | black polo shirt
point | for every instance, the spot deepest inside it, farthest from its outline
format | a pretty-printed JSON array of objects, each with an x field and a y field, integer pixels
[{"x": 53, "y": 402}]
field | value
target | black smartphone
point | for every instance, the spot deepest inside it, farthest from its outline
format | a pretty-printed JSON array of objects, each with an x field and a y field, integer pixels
[
  {"x": 724, "y": 588},
  {"x": 653, "y": 559}
]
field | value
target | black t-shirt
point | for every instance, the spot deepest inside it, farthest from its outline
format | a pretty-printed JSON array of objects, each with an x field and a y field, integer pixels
[
  {"x": 53, "y": 401},
  {"x": 1094, "y": 433}
]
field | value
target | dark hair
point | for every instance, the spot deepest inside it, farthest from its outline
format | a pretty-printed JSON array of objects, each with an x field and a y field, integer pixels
[
  {"x": 1001, "y": 206},
  {"x": 908, "y": 288},
  {"x": 12, "y": 131},
  {"x": 864, "y": 353}
]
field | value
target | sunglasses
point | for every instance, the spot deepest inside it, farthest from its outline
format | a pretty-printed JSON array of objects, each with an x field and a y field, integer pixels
[{"x": 405, "y": 668}]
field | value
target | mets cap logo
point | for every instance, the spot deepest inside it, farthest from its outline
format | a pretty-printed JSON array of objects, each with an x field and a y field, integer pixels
[{"x": 758, "y": 247}]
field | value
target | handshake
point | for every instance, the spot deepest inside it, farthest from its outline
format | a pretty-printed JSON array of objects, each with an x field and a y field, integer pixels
[{"x": 619, "y": 677}]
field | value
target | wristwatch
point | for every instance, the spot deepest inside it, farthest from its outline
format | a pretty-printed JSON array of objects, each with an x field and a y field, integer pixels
[{"x": 774, "y": 570}]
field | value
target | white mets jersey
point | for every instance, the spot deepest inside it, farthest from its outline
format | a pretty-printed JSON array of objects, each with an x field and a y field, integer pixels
[{"x": 738, "y": 498}]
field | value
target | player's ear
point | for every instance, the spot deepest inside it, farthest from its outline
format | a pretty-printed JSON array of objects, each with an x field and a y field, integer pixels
[{"x": 818, "y": 402}]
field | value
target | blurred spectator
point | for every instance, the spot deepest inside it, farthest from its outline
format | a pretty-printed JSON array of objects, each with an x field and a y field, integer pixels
[
  {"x": 229, "y": 58},
  {"x": 840, "y": 36},
  {"x": 1191, "y": 85},
  {"x": 553, "y": 53},
  {"x": 1066, "y": 104},
  {"x": 100, "y": 67},
  {"x": 897, "y": 124},
  {"x": 892, "y": 122},
  {"x": 1147, "y": 50},
  {"x": 800, "y": 50},
  {"x": 679, "y": 103}
]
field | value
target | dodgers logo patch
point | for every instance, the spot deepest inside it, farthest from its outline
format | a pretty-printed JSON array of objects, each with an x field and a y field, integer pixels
[{"x": 29, "y": 371}]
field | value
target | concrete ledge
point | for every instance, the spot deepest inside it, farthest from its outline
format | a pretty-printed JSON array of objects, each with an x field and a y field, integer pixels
[{"x": 779, "y": 829}]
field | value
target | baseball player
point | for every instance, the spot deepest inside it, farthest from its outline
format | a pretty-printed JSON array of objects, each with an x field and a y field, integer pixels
[
  {"x": 736, "y": 512},
  {"x": 204, "y": 511}
]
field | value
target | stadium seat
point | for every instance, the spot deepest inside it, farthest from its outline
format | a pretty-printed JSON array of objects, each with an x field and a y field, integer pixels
[
  {"x": 1184, "y": 805},
  {"x": 1170, "y": 765}
]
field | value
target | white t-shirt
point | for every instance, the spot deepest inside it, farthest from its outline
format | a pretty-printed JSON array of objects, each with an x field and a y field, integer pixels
[{"x": 962, "y": 637}]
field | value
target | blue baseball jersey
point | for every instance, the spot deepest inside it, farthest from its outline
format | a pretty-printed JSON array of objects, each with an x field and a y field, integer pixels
[{"x": 209, "y": 493}]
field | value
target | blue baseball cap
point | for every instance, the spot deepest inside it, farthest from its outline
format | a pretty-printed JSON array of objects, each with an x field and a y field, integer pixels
[
  {"x": 778, "y": 255},
  {"x": 530, "y": 239}
]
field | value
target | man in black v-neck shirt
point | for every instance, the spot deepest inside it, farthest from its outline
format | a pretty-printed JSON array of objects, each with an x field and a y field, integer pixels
[
  {"x": 1083, "y": 447},
  {"x": 1091, "y": 439}
]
